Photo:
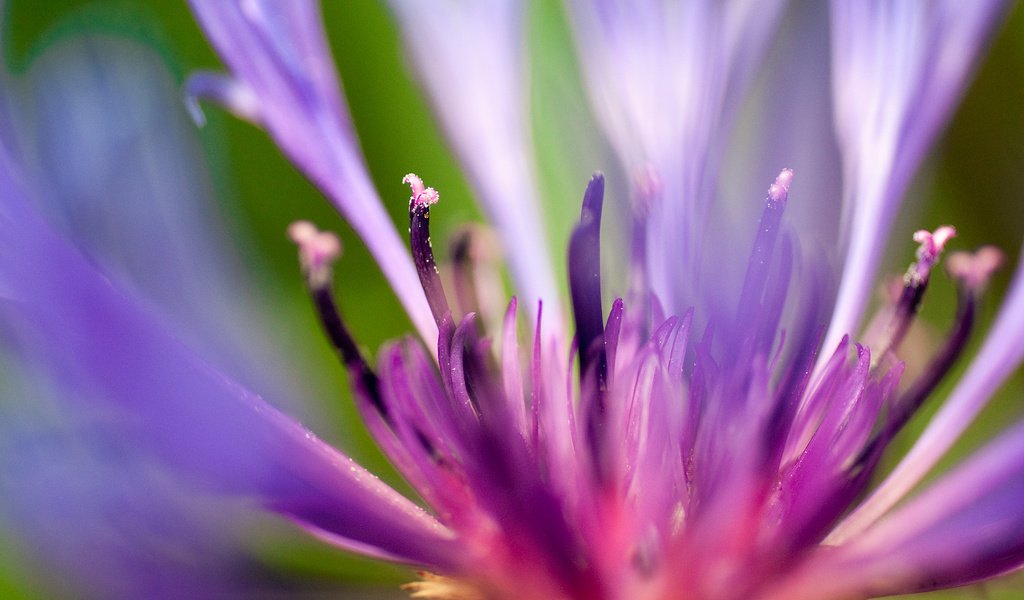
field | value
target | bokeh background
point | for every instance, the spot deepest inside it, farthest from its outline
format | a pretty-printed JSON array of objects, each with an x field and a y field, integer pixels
[{"x": 974, "y": 179}]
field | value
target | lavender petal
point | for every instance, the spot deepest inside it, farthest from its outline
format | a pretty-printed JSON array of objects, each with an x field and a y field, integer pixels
[
  {"x": 278, "y": 52},
  {"x": 65, "y": 314}
]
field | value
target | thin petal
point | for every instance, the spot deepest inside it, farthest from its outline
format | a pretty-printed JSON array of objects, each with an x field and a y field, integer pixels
[
  {"x": 898, "y": 70},
  {"x": 469, "y": 58},
  {"x": 278, "y": 52},
  {"x": 966, "y": 527},
  {"x": 66, "y": 315},
  {"x": 119, "y": 172},
  {"x": 78, "y": 497},
  {"x": 786, "y": 122},
  {"x": 664, "y": 78},
  {"x": 232, "y": 94}
]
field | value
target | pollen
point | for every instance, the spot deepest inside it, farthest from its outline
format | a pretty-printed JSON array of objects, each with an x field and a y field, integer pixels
[
  {"x": 421, "y": 195},
  {"x": 438, "y": 587}
]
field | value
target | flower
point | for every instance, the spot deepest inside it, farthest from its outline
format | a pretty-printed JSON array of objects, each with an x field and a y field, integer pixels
[{"x": 713, "y": 435}]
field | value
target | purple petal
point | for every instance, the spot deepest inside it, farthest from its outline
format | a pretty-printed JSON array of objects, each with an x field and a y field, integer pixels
[
  {"x": 664, "y": 79},
  {"x": 118, "y": 171},
  {"x": 898, "y": 70},
  {"x": 786, "y": 122},
  {"x": 469, "y": 58},
  {"x": 278, "y": 54},
  {"x": 62, "y": 313},
  {"x": 967, "y": 526},
  {"x": 98, "y": 517}
]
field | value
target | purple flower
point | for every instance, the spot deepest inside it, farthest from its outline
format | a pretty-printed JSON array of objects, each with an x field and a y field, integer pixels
[{"x": 713, "y": 432}]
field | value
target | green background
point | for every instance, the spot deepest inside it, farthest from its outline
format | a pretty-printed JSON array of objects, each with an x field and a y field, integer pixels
[{"x": 974, "y": 179}]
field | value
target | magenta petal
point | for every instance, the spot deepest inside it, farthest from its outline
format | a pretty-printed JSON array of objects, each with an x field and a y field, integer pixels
[
  {"x": 1001, "y": 353},
  {"x": 61, "y": 312},
  {"x": 966, "y": 527}
]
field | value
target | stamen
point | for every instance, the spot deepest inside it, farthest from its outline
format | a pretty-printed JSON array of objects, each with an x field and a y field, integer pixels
[
  {"x": 647, "y": 191},
  {"x": 317, "y": 252},
  {"x": 758, "y": 267},
  {"x": 437, "y": 587},
  {"x": 422, "y": 252},
  {"x": 928, "y": 253},
  {"x": 585, "y": 281},
  {"x": 460, "y": 255},
  {"x": 915, "y": 283},
  {"x": 648, "y": 187},
  {"x": 972, "y": 272},
  {"x": 585, "y": 289}
]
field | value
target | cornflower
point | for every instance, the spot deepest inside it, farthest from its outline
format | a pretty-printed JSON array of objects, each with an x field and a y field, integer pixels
[{"x": 713, "y": 434}]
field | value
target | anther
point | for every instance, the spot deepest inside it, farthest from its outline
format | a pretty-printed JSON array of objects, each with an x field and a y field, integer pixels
[
  {"x": 932, "y": 244},
  {"x": 973, "y": 270},
  {"x": 317, "y": 252},
  {"x": 779, "y": 191},
  {"x": 421, "y": 195}
]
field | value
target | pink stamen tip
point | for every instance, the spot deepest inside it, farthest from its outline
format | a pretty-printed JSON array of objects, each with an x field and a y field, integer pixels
[
  {"x": 301, "y": 231},
  {"x": 421, "y": 195},
  {"x": 317, "y": 251},
  {"x": 414, "y": 182},
  {"x": 779, "y": 190},
  {"x": 974, "y": 270},
  {"x": 932, "y": 245}
]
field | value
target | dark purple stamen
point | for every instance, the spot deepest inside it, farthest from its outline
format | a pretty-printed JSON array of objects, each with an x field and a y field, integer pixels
[
  {"x": 915, "y": 284},
  {"x": 422, "y": 251},
  {"x": 911, "y": 400},
  {"x": 317, "y": 252},
  {"x": 585, "y": 289},
  {"x": 972, "y": 273},
  {"x": 585, "y": 282},
  {"x": 364, "y": 380}
]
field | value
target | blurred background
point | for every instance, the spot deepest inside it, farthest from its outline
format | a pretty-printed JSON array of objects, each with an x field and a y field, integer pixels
[{"x": 88, "y": 71}]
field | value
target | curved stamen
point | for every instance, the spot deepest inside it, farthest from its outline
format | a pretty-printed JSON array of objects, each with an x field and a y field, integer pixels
[
  {"x": 972, "y": 272},
  {"x": 419, "y": 240},
  {"x": 915, "y": 283},
  {"x": 317, "y": 252}
]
